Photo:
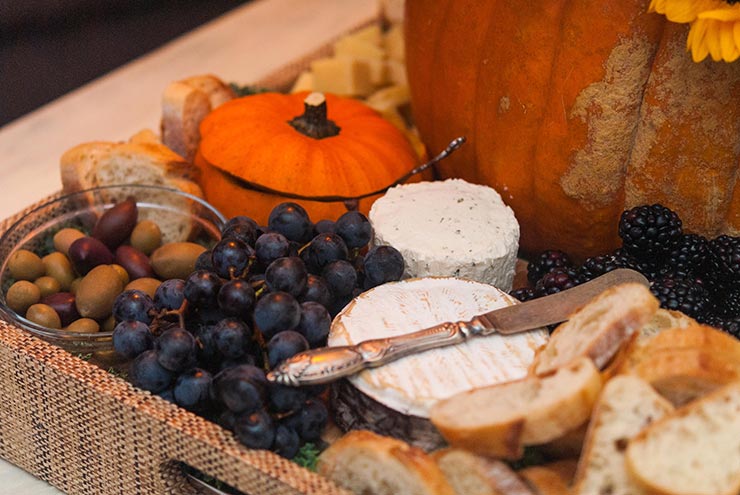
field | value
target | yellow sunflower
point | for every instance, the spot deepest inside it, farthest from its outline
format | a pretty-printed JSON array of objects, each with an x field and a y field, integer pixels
[{"x": 715, "y": 26}]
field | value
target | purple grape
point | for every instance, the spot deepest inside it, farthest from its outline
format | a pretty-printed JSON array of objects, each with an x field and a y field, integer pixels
[
  {"x": 236, "y": 298},
  {"x": 133, "y": 305},
  {"x": 287, "y": 275},
  {"x": 192, "y": 389},
  {"x": 324, "y": 249},
  {"x": 242, "y": 228},
  {"x": 284, "y": 345},
  {"x": 317, "y": 290},
  {"x": 271, "y": 246},
  {"x": 204, "y": 261},
  {"x": 275, "y": 312},
  {"x": 284, "y": 399},
  {"x": 255, "y": 430},
  {"x": 131, "y": 338},
  {"x": 311, "y": 420},
  {"x": 170, "y": 294},
  {"x": 354, "y": 228},
  {"x": 201, "y": 288},
  {"x": 146, "y": 372},
  {"x": 232, "y": 338},
  {"x": 341, "y": 277},
  {"x": 242, "y": 389},
  {"x": 323, "y": 226},
  {"x": 382, "y": 264},
  {"x": 176, "y": 349},
  {"x": 287, "y": 442},
  {"x": 231, "y": 258},
  {"x": 291, "y": 220},
  {"x": 315, "y": 323}
]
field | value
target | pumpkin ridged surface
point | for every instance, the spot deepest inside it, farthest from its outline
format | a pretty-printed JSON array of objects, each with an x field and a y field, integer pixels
[
  {"x": 250, "y": 138},
  {"x": 561, "y": 115}
]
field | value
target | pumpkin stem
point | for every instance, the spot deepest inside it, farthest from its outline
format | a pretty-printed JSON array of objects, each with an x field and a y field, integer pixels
[{"x": 313, "y": 123}]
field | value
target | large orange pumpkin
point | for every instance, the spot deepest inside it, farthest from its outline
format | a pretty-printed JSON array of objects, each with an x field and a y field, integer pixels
[
  {"x": 576, "y": 110},
  {"x": 258, "y": 151}
]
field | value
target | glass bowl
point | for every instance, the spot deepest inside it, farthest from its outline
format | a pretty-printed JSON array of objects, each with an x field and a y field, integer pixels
[{"x": 81, "y": 210}]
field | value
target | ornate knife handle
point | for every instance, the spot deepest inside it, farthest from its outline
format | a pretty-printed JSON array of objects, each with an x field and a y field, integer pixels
[{"x": 330, "y": 363}]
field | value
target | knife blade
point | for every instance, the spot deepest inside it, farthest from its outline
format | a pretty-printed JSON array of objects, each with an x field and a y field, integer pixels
[{"x": 327, "y": 364}]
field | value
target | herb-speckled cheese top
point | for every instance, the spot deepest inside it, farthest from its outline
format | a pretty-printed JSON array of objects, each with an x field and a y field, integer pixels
[{"x": 449, "y": 228}]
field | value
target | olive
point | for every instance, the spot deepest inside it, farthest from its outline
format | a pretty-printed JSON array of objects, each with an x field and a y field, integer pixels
[
  {"x": 64, "y": 238},
  {"x": 64, "y": 304},
  {"x": 122, "y": 273},
  {"x": 87, "y": 252},
  {"x": 58, "y": 266},
  {"x": 97, "y": 291},
  {"x": 175, "y": 259},
  {"x": 47, "y": 285},
  {"x": 146, "y": 237},
  {"x": 44, "y": 315},
  {"x": 25, "y": 265},
  {"x": 146, "y": 285},
  {"x": 75, "y": 283},
  {"x": 83, "y": 325},
  {"x": 134, "y": 261},
  {"x": 116, "y": 224},
  {"x": 22, "y": 295},
  {"x": 109, "y": 324}
]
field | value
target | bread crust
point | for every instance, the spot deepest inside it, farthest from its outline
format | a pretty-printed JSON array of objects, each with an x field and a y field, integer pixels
[
  {"x": 550, "y": 479},
  {"x": 485, "y": 476}
]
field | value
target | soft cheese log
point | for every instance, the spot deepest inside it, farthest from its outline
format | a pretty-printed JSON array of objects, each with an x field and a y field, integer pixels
[
  {"x": 405, "y": 390},
  {"x": 449, "y": 228}
]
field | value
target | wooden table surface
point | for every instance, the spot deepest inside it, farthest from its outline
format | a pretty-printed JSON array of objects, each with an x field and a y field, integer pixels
[{"x": 245, "y": 45}]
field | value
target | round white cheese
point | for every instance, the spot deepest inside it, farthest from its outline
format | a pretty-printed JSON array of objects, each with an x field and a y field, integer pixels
[
  {"x": 449, "y": 229},
  {"x": 414, "y": 383}
]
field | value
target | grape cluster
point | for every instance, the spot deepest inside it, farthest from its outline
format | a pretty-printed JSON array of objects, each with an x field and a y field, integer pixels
[
  {"x": 257, "y": 297},
  {"x": 687, "y": 272}
]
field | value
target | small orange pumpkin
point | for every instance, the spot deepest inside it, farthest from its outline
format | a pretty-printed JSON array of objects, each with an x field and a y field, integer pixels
[{"x": 317, "y": 150}]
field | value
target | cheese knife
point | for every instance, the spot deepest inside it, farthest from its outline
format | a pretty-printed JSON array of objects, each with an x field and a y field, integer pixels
[{"x": 328, "y": 364}]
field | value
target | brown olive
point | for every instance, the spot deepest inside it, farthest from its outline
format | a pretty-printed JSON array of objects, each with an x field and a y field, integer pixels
[
  {"x": 25, "y": 265},
  {"x": 146, "y": 237},
  {"x": 97, "y": 291},
  {"x": 58, "y": 266},
  {"x": 75, "y": 283},
  {"x": 64, "y": 238},
  {"x": 175, "y": 259},
  {"x": 116, "y": 224},
  {"x": 48, "y": 285},
  {"x": 44, "y": 315},
  {"x": 109, "y": 324},
  {"x": 122, "y": 273},
  {"x": 84, "y": 325},
  {"x": 64, "y": 304},
  {"x": 87, "y": 252},
  {"x": 146, "y": 285},
  {"x": 134, "y": 261},
  {"x": 22, "y": 295}
]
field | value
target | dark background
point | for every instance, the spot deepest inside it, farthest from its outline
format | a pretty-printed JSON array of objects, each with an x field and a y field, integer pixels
[{"x": 49, "y": 47}]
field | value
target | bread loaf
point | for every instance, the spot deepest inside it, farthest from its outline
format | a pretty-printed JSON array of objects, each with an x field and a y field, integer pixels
[
  {"x": 367, "y": 463},
  {"x": 599, "y": 329},
  {"x": 471, "y": 474},
  {"x": 553, "y": 478},
  {"x": 500, "y": 420},
  {"x": 695, "y": 451}
]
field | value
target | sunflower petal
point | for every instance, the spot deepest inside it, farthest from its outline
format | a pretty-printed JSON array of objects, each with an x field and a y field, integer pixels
[
  {"x": 727, "y": 14},
  {"x": 727, "y": 41},
  {"x": 736, "y": 33},
  {"x": 696, "y": 41},
  {"x": 686, "y": 10}
]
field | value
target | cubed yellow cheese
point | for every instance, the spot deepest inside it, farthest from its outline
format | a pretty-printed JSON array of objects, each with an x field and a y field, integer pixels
[
  {"x": 303, "y": 83},
  {"x": 389, "y": 97},
  {"x": 396, "y": 72},
  {"x": 357, "y": 48},
  {"x": 393, "y": 43},
  {"x": 342, "y": 76},
  {"x": 371, "y": 33}
]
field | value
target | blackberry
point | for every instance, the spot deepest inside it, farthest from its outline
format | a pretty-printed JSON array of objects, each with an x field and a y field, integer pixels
[
  {"x": 599, "y": 265},
  {"x": 729, "y": 325},
  {"x": 649, "y": 232},
  {"x": 724, "y": 260},
  {"x": 557, "y": 280},
  {"x": 687, "y": 256},
  {"x": 682, "y": 295},
  {"x": 727, "y": 305},
  {"x": 545, "y": 263},
  {"x": 523, "y": 293}
]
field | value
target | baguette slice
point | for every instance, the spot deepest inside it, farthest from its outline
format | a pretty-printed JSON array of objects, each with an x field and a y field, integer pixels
[
  {"x": 625, "y": 407},
  {"x": 663, "y": 319},
  {"x": 367, "y": 463},
  {"x": 550, "y": 479},
  {"x": 599, "y": 329},
  {"x": 683, "y": 364},
  {"x": 695, "y": 451},
  {"x": 471, "y": 474},
  {"x": 500, "y": 420}
]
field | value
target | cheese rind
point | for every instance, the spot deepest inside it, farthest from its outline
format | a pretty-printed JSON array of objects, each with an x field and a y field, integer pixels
[
  {"x": 449, "y": 228},
  {"x": 413, "y": 384}
]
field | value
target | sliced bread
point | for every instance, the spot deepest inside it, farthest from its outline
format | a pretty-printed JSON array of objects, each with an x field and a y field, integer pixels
[
  {"x": 695, "y": 451},
  {"x": 500, "y": 420},
  {"x": 626, "y": 405},
  {"x": 185, "y": 104},
  {"x": 663, "y": 319},
  {"x": 599, "y": 329},
  {"x": 553, "y": 478},
  {"x": 471, "y": 474},
  {"x": 371, "y": 464}
]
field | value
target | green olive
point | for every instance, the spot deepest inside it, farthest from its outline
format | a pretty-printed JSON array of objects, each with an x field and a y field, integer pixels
[
  {"x": 176, "y": 259},
  {"x": 22, "y": 295},
  {"x": 75, "y": 283},
  {"x": 97, "y": 291},
  {"x": 109, "y": 324},
  {"x": 64, "y": 238},
  {"x": 145, "y": 284},
  {"x": 25, "y": 265},
  {"x": 146, "y": 237},
  {"x": 44, "y": 315},
  {"x": 122, "y": 273},
  {"x": 48, "y": 285},
  {"x": 58, "y": 266},
  {"x": 84, "y": 325}
]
